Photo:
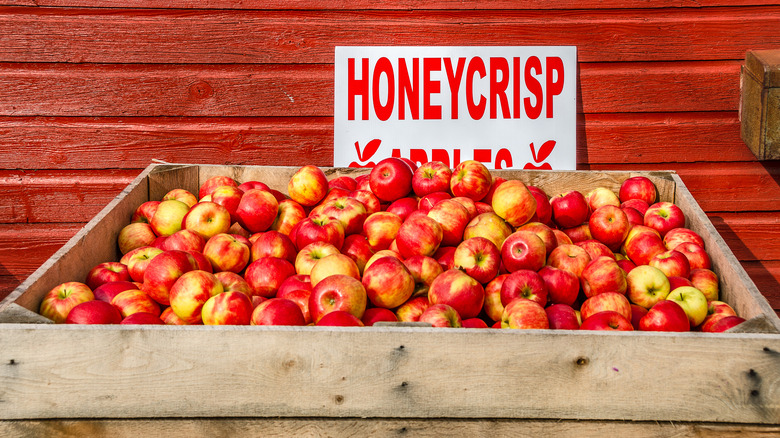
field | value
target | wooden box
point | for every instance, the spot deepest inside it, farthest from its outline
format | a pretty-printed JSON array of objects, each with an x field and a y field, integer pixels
[
  {"x": 52, "y": 371},
  {"x": 760, "y": 103}
]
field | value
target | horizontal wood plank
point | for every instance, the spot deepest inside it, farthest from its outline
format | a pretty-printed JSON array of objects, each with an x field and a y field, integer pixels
[
  {"x": 88, "y": 143},
  {"x": 752, "y": 236},
  {"x": 307, "y": 90},
  {"x": 396, "y": 5},
  {"x": 59, "y": 196},
  {"x": 166, "y": 36},
  {"x": 766, "y": 276}
]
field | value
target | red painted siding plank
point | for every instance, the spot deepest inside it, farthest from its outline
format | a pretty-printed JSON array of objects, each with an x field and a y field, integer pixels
[
  {"x": 167, "y": 36},
  {"x": 752, "y": 236}
]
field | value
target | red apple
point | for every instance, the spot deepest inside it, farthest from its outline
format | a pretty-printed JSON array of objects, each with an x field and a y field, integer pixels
[
  {"x": 411, "y": 310},
  {"x": 403, "y": 207},
  {"x": 675, "y": 282},
  {"x": 490, "y": 226},
  {"x": 637, "y": 204},
  {"x": 340, "y": 318},
  {"x": 138, "y": 261},
  {"x": 479, "y": 258},
  {"x": 388, "y": 283},
  {"x": 606, "y": 301},
  {"x": 514, "y": 203},
  {"x": 381, "y": 228},
  {"x": 349, "y": 211},
  {"x": 445, "y": 255},
  {"x": 706, "y": 281},
  {"x": 181, "y": 195},
  {"x": 228, "y": 197},
  {"x": 301, "y": 298},
  {"x": 419, "y": 235},
  {"x": 492, "y": 306},
  {"x": 664, "y": 216},
  {"x": 273, "y": 244},
  {"x": 319, "y": 228},
  {"x": 497, "y": 181},
  {"x": 168, "y": 317},
  {"x": 424, "y": 270},
  {"x": 473, "y": 323},
  {"x": 524, "y": 314},
  {"x": 468, "y": 204},
  {"x": 107, "y": 291},
  {"x": 563, "y": 286},
  {"x": 106, "y": 272},
  {"x": 471, "y": 179},
  {"x": 368, "y": 199},
  {"x": 671, "y": 263},
  {"x": 135, "y": 301},
  {"x": 308, "y": 186},
  {"x": 562, "y": 317},
  {"x": 213, "y": 182},
  {"x": 647, "y": 285},
  {"x": 569, "y": 209},
  {"x": 232, "y": 282},
  {"x": 607, "y": 320},
  {"x": 580, "y": 233},
  {"x": 278, "y": 311},
  {"x": 190, "y": 293},
  {"x": 184, "y": 240},
  {"x": 570, "y": 258},
  {"x": 331, "y": 265},
  {"x": 289, "y": 213},
  {"x": 523, "y": 250},
  {"x": 676, "y": 236},
  {"x": 163, "y": 273},
  {"x": 344, "y": 181},
  {"x": 228, "y": 308},
  {"x": 603, "y": 275},
  {"x": 60, "y": 300},
  {"x": 543, "y": 212},
  {"x": 453, "y": 218},
  {"x": 724, "y": 323},
  {"x": 626, "y": 265},
  {"x": 638, "y": 187},
  {"x": 633, "y": 215},
  {"x": 144, "y": 212},
  {"x": 561, "y": 238},
  {"x": 715, "y": 311},
  {"x": 596, "y": 249},
  {"x": 609, "y": 225},
  {"x": 142, "y": 318},
  {"x": 257, "y": 210},
  {"x": 601, "y": 196},
  {"x": 524, "y": 284},
  {"x": 666, "y": 316},
  {"x": 391, "y": 179},
  {"x": 430, "y": 177},
  {"x": 266, "y": 274},
  {"x": 637, "y": 312},
  {"x": 168, "y": 217},
  {"x": 642, "y": 247},
  {"x": 696, "y": 255},
  {"x": 295, "y": 282},
  {"x": 441, "y": 315},
  {"x": 338, "y": 293},
  {"x": 459, "y": 290},
  {"x": 428, "y": 201},
  {"x": 309, "y": 255},
  {"x": 377, "y": 314},
  {"x": 94, "y": 312},
  {"x": 356, "y": 246},
  {"x": 135, "y": 235}
]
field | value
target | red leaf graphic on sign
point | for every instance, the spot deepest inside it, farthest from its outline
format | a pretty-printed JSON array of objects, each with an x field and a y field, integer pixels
[
  {"x": 369, "y": 151},
  {"x": 544, "y": 151}
]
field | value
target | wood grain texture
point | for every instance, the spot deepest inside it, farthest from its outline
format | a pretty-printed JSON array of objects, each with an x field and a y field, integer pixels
[
  {"x": 753, "y": 236},
  {"x": 396, "y": 5},
  {"x": 375, "y": 427},
  {"x": 166, "y": 36},
  {"x": 307, "y": 90},
  {"x": 396, "y": 372}
]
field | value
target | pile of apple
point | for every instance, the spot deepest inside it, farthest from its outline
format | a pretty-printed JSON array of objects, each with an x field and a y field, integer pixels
[{"x": 449, "y": 247}]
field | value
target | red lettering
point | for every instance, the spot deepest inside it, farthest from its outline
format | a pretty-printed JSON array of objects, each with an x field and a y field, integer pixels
[
  {"x": 498, "y": 87},
  {"x": 483, "y": 155},
  {"x": 516, "y": 87},
  {"x": 453, "y": 78},
  {"x": 554, "y": 88},
  {"x": 408, "y": 90},
  {"x": 476, "y": 110},
  {"x": 357, "y": 87},
  {"x": 440, "y": 155},
  {"x": 534, "y": 86},
  {"x": 419, "y": 156},
  {"x": 383, "y": 66},
  {"x": 431, "y": 112},
  {"x": 503, "y": 159},
  {"x": 455, "y": 157}
]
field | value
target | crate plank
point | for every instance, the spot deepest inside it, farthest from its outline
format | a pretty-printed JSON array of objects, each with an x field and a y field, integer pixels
[
  {"x": 165, "y": 36},
  {"x": 395, "y": 371},
  {"x": 316, "y": 427},
  {"x": 248, "y": 90},
  {"x": 85, "y": 142}
]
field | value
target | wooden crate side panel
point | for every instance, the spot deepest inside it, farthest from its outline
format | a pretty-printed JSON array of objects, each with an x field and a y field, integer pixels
[
  {"x": 294, "y": 90},
  {"x": 166, "y": 36},
  {"x": 736, "y": 287},
  {"x": 429, "y": 427},
  {"x": 93, "y": 244},
  {"x": 394, "y": 373}
]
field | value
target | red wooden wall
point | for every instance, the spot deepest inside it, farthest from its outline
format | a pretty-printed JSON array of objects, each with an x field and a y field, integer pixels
[{"x": 91, "y": 91}]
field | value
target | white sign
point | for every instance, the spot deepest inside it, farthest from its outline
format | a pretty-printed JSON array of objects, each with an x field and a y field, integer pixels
[{"x": 507, "y": 107}]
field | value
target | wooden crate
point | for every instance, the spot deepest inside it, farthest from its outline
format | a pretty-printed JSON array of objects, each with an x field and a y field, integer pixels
[
  {"x": 760, "y": 103},
  {"x": 52, "y": 371}
]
